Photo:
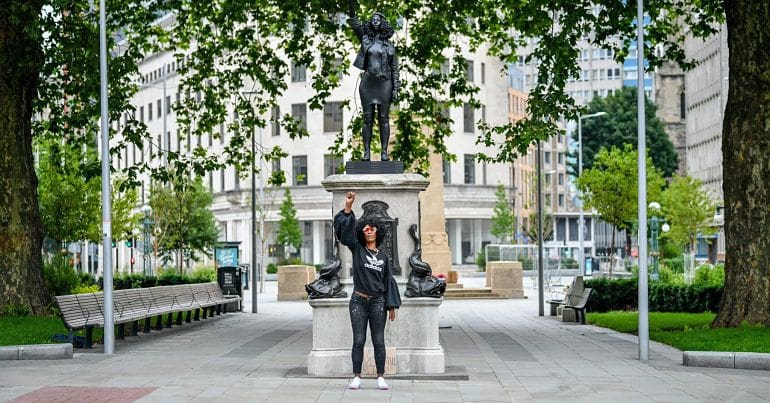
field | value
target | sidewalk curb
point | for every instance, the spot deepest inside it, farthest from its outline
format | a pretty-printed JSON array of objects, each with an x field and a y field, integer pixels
[
  {"x": 37, "y": 352},
  {"x": 718, "y": 359}
]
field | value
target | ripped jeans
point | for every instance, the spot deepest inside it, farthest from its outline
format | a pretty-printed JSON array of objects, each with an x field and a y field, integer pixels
[{"x": 371, "y": 311}]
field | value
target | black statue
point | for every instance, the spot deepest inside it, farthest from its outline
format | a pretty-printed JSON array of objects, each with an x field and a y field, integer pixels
[
  {"x": 379, "y": 80},
  {"x": 421, "y": 283},
  {"x": 328, "y": 285}
]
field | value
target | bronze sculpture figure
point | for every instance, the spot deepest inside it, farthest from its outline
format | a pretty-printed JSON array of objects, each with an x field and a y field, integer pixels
[
  {"x": 379, "y": 79},
  {"x": 421, "y": 283},
  {"x": 328, "y": 285}
]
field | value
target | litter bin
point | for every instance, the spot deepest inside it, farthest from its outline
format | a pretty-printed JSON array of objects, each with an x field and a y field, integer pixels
[{"x": 229, "y": 279}]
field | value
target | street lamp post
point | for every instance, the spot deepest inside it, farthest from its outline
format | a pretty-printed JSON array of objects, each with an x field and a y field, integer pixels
[
  {"x": 147, "y": 266},
  {"x": 581, "y": 224},
  {"x": 656, "y": 225}
]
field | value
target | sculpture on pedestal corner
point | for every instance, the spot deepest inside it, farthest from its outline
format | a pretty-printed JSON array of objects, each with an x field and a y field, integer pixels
[
  {"x": 328, "y": 284},
  {"x": 379, "y": 79},
  {"x": 421, "y": 283}
]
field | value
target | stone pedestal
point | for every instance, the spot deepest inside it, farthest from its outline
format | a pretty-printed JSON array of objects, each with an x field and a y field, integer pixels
[
  {"x": 398, "y": 192},
  {"x": 414, "y": 335},
  {"x": 292, "y": 280},
  {"x": 505, "y": 279}
]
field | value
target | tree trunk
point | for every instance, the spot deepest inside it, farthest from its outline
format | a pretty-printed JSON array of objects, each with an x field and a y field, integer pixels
[
  {"x": 746, "y": 164},
  {"x": 21, "y": 232}
]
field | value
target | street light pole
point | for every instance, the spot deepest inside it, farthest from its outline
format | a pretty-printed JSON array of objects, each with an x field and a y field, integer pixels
[
  {"x": 643, "y": 293},
  {"x": 540, "y": 290},
  {"x": 581, "y": 224}
]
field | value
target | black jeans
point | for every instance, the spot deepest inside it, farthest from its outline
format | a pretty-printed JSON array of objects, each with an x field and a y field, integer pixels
[{"x": 371, "y": 311}]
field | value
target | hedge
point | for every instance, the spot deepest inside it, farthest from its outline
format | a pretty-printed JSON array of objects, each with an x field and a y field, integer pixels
[{"x": 622, "y": 295}]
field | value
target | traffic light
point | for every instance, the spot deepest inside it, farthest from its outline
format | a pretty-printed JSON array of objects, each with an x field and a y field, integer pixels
[
  {"x": 130, "y": 242},
  {"x": 113, "y": 243}
]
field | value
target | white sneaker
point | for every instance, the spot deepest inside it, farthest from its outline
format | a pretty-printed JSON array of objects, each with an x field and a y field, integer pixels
[
  {"x": 381, "y": 384},
  {"x": 355, "y": 384}
]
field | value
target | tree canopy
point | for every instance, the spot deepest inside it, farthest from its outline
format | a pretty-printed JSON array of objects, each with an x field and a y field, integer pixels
[
  {"x": 289, "y": 232},
  {"x": 503, "y": 220},
  {"x": 689, "y": 211},
  {"x": 618, "y": 128}
]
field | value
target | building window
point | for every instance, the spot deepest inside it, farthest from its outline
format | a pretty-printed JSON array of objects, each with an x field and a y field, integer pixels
[
  {"x": 333, "y": 117},
  {"x": 275, "y": 115},
  {"x": 332, "y": 165},
  {"x": 141, "y": 114},
  {"x": 560, "y": 156},
  {"x": 299, "y": 113},
  {"x": 469, "y": 70},
  {"x": 276, "y": 166},
  {"x": 447, "y": 169},
  {"x": 682, "y": 112},
  {"x": 483, "y": 73},
  {"x": 547, "y": 157},
  {"x": 160, "y": 107},
  {"x": 299, "y": 170},
  {"x": 483, "y": 114},
  {"x": 149, "y": 112},
  {"x": 470, "y": 168},
  {"x": 561, "y": 200},
  {"x": 468, "y": 124},
  {"x": 237, "y": 178},
  {"x": 221, "y": 179},
  {"x": 168, "y": 104},
  {"x": 561, "y": 179},
  {"x": 298, "y": 73}
]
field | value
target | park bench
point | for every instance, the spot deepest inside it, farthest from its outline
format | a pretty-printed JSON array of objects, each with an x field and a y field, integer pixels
[
  {"x": 574, "y": 291},
  {"x": 580, "y": 306},
  {"x": 86, "y": 311}
]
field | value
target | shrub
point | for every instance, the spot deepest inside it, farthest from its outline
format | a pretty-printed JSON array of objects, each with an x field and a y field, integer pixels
[
  {"x": 668, "y": 276},
  {"x": 203, "y": 275},
  {"x": 710, "y": 276},
  {"x": 622, "y": 295},
  {"x": 59, "y": 277},
  {"x": 271, "y": 268},
  {"x": 481, "y": 260},
  {"x": 676, "y": 264},
  {"x": 15, "y": 310},
  {"x": 85, "y": 289}
]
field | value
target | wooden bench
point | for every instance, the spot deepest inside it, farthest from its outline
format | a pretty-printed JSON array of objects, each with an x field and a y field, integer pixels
[
  {"x": 86, "y": 311},
  {"x": 580, "y": 306}
]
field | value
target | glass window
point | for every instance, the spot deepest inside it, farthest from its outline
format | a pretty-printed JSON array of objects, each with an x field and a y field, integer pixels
[
  {"x": 468, "y": 124},
  {"x": 469, "y": 70},
  {"x": 561, "y": 200},
  {"x": 149, "y": 112},
  {"x": 275, "y": 115},
  {"x": 160, "y": 107},
  {"x": 447, "y": 170},
  {"x": 333, "y": 117},
  {"x": 141, "y": 114},
  {"x": 547, "y": 157},
  {"x": 573, "y": 229},
  {"x": 470, "y": 168},
  {"x": 332, "y": 165},
  {"x": 221, "y": 179},
  {"x": 299, "y": 113},
  {"x": 168, "y": 103},
  {"x": 561, "y": 179},
  {"x": 276, "y": 165},
  {"x": 299, "y": 169},
  {"x": 298, "y": 73},
  {"x": 483, "y": 73}
]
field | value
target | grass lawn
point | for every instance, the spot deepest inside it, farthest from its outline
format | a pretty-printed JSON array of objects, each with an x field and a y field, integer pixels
[
  {"x": 688, "y": 331},
  {"x": 15, "y": 330}
]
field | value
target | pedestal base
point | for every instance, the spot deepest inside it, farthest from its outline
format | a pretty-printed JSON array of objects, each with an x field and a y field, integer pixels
[{"x": 414, "y": 335}]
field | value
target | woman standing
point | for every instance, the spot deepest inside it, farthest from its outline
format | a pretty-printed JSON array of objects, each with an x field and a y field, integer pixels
[
  {"x": 379, "y": 80},
  {"x": 375, "y": 293}
]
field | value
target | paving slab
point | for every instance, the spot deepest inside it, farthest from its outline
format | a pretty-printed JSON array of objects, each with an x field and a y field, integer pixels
[{"x": 502, "y": 348}]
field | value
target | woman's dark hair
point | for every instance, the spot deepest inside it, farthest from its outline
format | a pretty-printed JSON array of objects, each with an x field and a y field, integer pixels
[
  {"x": 360, "y": 224},
  {"x": 386, "y": 30}
]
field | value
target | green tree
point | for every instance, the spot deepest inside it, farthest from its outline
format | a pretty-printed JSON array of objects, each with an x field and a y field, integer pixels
[
  {"x": 70, "y": 194},
  {"x": 503, "y": 221},
  {"x": 689, "y": 211},
  {"x": 289, "y": 232},
  {"x": 182, "y": 213},
  {"x": 125, "y": 219},
  {"x": 610, "y": 187},
  {"x": 48, "y": 60},
  {"x": 618, "y": 128},
  {"x": 531, "y": 229}
]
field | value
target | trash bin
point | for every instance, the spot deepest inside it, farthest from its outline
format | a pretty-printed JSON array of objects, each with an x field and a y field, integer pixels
[{"x": 229, "y": 279}]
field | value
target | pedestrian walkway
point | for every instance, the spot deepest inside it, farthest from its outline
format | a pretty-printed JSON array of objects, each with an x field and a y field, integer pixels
[{"x": 508, "y": 352}]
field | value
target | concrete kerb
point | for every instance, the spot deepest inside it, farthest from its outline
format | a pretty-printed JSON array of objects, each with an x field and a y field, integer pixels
[
  {"x": 718, "y": 359},
  {"x": 37, "y": 352}
]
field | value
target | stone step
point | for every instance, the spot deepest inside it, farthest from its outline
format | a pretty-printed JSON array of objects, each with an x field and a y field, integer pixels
[
  {"x": 470, "y": 293},
  {"x": 453, "y": 286}
]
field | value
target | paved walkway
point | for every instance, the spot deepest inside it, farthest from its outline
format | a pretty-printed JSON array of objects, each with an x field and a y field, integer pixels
[{"x": 507, "y": 350}]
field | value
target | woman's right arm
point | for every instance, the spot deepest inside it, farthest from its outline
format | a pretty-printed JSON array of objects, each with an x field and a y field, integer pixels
[
  {"x": 345, "y": 222},
  {"x": 353, "y": 21}
]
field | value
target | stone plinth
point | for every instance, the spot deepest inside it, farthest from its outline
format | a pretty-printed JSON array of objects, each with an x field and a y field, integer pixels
[
  {"x": 292, "y": 280},
  {"x": 398, "y": 191},
  {"x": 414, "y": 335},
  {"x": 435, "y": 244},
  {"x": 505, "y": 279}
]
